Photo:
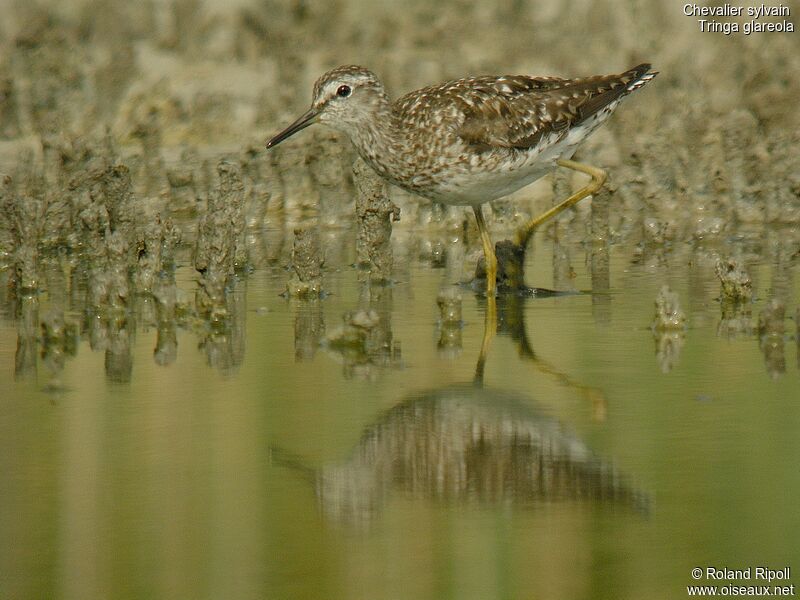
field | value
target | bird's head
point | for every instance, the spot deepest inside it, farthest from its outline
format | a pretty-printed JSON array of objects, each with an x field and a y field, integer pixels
[{"x": 343, "y": 98}]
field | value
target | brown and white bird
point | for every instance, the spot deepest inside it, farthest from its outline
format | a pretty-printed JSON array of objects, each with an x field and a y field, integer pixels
[{"x": 472, "y": 140}]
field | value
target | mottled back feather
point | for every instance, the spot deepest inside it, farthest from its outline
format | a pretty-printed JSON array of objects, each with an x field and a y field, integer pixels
[{"x": 517, "y": 111}]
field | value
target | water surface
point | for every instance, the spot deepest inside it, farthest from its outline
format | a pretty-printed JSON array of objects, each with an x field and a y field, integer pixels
[{"x": 593, "y": 460}]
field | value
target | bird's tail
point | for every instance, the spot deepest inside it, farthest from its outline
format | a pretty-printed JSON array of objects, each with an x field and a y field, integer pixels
[
  {"x": 638, "y": 76},
  {"x": 603, "y": 91}
]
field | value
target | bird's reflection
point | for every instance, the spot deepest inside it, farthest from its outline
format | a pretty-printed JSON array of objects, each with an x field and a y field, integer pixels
[
  {"x": 506, "y": 316},
  {"x": 467, "y": 443}
]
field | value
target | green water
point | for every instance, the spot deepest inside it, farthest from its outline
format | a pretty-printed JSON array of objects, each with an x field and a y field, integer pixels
[{"x": 259, "y": 465}]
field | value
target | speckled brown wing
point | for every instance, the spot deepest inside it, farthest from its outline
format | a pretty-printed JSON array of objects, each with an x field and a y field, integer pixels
[
  {"x": 527, "y": 109},
  {"x": 453, "y": 101}
]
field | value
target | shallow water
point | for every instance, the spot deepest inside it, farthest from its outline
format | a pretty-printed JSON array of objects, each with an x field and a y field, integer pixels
[{"x": 261, "y": 464}]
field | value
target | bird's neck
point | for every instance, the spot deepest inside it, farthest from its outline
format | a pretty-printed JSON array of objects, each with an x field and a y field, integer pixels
[{"x": 379, "y": 138}]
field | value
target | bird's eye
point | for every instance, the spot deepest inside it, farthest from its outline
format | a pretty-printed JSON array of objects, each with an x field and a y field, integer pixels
[{"x": 344, "y": 91}]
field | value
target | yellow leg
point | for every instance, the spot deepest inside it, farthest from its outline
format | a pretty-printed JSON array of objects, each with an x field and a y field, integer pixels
[
  {"x": 598, "y": 179},
  {"x": 490, "y": 322},
  {"x": 488, "y": 253}
]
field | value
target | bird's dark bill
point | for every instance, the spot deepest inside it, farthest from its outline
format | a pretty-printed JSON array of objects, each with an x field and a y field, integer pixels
[{"x": 304, "y": 121}]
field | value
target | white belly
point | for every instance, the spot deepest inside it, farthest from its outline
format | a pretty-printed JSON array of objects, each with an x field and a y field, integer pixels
[{"x": 511, "y": 173}]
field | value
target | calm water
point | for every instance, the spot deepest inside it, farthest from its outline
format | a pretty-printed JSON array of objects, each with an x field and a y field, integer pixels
[{"x": 255, "y": 463}]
